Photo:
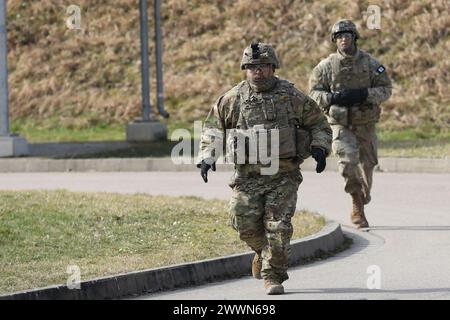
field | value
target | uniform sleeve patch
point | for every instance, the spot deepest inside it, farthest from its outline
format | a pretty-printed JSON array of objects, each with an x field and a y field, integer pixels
[{"x": 381, "y": 69}]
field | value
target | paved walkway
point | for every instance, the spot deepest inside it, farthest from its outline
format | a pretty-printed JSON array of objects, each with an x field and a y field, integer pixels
[{"x": 408, "y": 245}]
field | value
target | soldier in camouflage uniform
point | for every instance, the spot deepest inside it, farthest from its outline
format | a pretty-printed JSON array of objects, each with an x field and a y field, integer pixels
[
  {"x": 262, "y": 205},
  {"x": 349, "y": 87}
]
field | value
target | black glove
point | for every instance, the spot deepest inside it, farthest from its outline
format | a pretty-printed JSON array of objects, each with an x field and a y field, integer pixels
[
  {"x": 204, "y": 167},
  {"x": 319, "y": 155},
  {"x": 340, "y": 98},
  {"x": 349, "y": 97}
]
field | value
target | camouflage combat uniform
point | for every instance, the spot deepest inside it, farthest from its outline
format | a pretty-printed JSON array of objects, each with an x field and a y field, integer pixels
[
  {"x": 354, "y": 136},
  {"x": 262, "y": 206}
]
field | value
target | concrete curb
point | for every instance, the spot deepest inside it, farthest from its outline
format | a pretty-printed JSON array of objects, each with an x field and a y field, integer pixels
[
  {"x": 417, "y": 165},
  {"x": 182, "y": 275}
]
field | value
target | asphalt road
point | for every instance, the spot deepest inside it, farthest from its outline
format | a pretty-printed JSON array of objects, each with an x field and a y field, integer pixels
[{"x": 405, "y": 255}]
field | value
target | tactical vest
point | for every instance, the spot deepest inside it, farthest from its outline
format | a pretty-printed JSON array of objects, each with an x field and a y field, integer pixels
[
  {"x": 260, "y": 112},
  {"x": 351, "y": 73}
]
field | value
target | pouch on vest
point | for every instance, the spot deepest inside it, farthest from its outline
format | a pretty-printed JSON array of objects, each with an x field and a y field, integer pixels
[
  {"x": 303, "y": 138},
  {"x": 338, "y": 115},
  {"x": 254, "y": 146},
  {"x": 364, "y": 115},
  {"x": 238, "y": 141},
  {"x": 287, "y": 147}
]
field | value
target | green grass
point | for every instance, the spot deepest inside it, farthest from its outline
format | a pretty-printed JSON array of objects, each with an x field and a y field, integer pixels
[
  {"x": 53, "y": 131},
  {"x": 424, "y": 133},
  {"x": 431, "y": 148},
  {"x": 414, "y": 143},
  {"x": 44, "y": 232}
]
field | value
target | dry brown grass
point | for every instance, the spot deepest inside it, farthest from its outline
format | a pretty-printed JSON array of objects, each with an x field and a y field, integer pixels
[{"x": 94, "y": 73}]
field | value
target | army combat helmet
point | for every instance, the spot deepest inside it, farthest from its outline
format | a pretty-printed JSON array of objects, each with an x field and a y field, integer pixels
[
  {"x": 344, "y": 26},
  {"x": 258, "y": 53}
]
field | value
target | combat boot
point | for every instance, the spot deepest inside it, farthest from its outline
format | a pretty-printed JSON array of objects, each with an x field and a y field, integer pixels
[
  {"x": 273, "y": 287},
  {"x": 257, "y": 265},
  {"x": 357, "y": 216}
]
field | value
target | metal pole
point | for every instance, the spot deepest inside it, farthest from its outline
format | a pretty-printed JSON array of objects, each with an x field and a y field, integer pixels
[
  {"x": 159, "y": 74},
  {"x": 4, "y": 116},
  {"x": 144, "y": 61}
]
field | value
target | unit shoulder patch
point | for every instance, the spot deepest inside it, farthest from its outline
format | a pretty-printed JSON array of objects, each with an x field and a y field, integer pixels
[{"x": 381, "y": 69}]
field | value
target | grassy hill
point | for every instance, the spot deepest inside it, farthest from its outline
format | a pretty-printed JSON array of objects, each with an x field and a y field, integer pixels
[{"x": 83, "y": 78}]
